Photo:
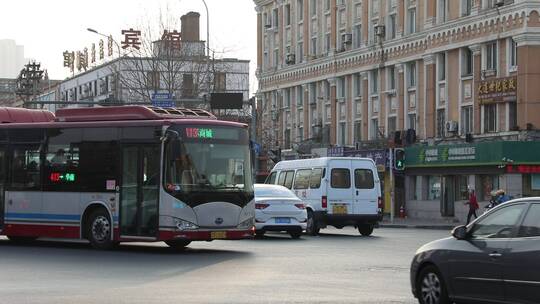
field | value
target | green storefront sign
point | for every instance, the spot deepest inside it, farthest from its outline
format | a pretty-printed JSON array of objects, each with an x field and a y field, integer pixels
[{"x": 480, "y": 154}]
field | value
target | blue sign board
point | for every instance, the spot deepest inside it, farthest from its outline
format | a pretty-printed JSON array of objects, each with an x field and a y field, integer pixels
[{"x": 162, "y": 100}]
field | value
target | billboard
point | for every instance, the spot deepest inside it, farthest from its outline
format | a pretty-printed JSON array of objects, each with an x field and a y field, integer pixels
[{"x": 226, "y": 100}]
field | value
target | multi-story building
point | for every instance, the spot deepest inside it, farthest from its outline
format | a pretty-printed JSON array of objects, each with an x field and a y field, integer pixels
[
  {"x": 11, "y": 58},
  {"x": 445, "y": 72}
]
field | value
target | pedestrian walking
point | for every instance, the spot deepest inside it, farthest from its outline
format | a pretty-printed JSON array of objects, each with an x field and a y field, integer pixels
[{"x": 473, "y": 206}]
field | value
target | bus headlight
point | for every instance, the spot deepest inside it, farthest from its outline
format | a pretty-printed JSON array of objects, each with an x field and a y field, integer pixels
[
  {"x": 247, "y": 224},
  {"x": 185, "y": 225}
]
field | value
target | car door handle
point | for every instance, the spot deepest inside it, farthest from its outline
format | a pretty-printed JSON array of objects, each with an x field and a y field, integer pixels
[{"x": 495, "y": 255}]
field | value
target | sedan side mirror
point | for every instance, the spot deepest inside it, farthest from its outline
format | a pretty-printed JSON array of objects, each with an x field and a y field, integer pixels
[{"x": 460, "y": 232}]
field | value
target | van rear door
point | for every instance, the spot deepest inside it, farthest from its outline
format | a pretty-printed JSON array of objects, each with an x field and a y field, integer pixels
[
  {"x": 365, "y": 188},
  {"x": 340, "y": 190}
]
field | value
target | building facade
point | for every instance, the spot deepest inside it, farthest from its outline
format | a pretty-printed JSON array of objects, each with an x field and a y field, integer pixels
[
  {"x": 443, "y": 72},
  {"x": 11, "y": 58}
]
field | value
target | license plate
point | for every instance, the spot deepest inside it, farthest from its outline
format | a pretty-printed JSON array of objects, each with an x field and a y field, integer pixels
[
  {"x": 339, "y": 209},
  {"x": 218, "y": 234},
  {"x": 283, "y": 220}
]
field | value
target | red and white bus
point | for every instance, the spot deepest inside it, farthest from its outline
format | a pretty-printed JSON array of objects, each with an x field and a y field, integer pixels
[{"x": 119, "y": 174}]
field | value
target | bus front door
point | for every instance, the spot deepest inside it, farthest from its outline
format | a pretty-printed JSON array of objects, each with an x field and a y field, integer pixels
[
  {"x": 140, "y": 191},
  {"x": 3, "y": 173}
]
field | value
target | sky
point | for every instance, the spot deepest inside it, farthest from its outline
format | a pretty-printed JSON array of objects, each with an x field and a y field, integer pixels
[{"x": 48, "y": 28}]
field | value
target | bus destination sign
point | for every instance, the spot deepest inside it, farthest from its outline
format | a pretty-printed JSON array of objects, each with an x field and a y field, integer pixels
[
  {"x": 199, "y": 133},
  {"x": 58, "y": 177}
]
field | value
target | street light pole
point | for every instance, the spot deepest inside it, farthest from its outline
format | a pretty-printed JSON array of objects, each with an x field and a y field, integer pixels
[
  {"x": 207, "y": 29},
  {"x": 110, "y": 36}
]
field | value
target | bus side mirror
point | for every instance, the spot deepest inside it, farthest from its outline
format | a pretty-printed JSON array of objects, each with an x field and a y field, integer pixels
[{"x": 170, "y": 135}]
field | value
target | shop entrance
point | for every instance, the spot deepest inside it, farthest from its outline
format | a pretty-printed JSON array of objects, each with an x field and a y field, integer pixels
[{"x": 447, "y": 196}]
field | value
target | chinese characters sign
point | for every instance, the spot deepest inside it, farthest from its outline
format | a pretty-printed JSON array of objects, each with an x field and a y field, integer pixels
[
  {"x": 199, "y": 133},
  {"x": 497, "y": 90}
]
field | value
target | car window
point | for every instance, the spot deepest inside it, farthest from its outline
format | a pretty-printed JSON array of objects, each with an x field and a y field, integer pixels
[
  {"x": 301, "y": 181},
  {"x": 273, "y": 192},
  {"x": 271, "y": 179},
  {"x": 315, "y": 178},
  {"x": 340, "y": 178},
  {"x": 289, "y": 179},
  {"x": 499, "y": 224},
  {"x": 531, "y": 224},
  {"x": 363, "y": 179},
  {"x": 281, "y": 179}
]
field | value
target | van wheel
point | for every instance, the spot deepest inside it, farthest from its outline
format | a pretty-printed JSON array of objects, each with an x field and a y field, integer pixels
[
  {"x": 365, "y": 229},
  {"x": 99, "y": 230},
  {"x": 312, "y": 227}
]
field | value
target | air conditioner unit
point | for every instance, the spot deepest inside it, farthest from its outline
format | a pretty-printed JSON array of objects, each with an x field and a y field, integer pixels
[
  {"x": 451, "y": 126},
  {"x": 379, "y": 30},
  {"x": 346, "y": 38},
  {"x": 290, "y": 59}
]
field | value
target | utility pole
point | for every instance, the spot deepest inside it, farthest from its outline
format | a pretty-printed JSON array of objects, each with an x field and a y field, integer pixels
[{"x": 392, "y": 192}]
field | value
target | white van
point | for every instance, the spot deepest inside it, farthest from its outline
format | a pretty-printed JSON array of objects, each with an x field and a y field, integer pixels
[{"x": 337, "y": 191}]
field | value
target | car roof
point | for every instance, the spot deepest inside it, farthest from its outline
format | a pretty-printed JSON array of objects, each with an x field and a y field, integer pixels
[
  {"x": 315, "y": 162},
  {"x": 269, "y": 186}
]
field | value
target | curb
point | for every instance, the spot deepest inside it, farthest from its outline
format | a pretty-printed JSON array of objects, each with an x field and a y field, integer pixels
[{"x": 435, "y": 227}]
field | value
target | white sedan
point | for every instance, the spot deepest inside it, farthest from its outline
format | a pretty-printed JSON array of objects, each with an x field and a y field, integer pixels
[{"x": 278, "y": 209}]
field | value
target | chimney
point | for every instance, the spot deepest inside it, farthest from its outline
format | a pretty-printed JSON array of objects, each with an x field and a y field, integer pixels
[{"x": 190, "y": 27}]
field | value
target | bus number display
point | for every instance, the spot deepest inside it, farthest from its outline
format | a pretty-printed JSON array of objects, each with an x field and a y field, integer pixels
[
  {"x": 57, "y": 177},
  {"x": 199, "y": 133}
]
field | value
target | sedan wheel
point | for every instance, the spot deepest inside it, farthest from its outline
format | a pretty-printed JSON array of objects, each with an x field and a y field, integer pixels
[
  {"x": 431, "y": 288},
  {"x": 312, "y": 225}
]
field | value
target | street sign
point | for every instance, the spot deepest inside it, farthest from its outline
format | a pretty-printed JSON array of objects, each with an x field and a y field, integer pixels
[{"x": 162, "y": 100}]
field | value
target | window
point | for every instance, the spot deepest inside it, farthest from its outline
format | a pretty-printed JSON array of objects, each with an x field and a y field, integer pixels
[
  {"x": 358, "y": 131},
  {"x": 374, "y": 82},
  {"x": 442, "y": 8},
  {"x": 326, "y": 5},
  {"x": 313, "y": 7},
  {"x": 466, "y": 7},
  {"x": 300, "y": 52},
  {"x": 340, "y": 178},
  {"x": 513, "y": 53},
  {"x": 271, "y": 179},
  {"x": 287, "y": 14},
  {"x": 363, "y": 179},
  {"x": 152, "y": 80},
  {"x": 434, "y": 188},
  {"x": 289, "y": 176},
  {"x": 299, "y": 96},
  {"x": 374, "y": 128},
  {"x": 300, "y": 10},
  {"x": 25, "y": 167},
  {"x": 357, "y": 85},
  {"x": 391, "y": 125},
  {"x": 392, "y": 26},
  {"x": 281, "y": 179},
  {"x": 187, "y": 85},
  {"x": 391, "y": 78},
  {"x": 412, "y": 74},
  {"x": 467, "y": 62},
  {"x": 442, "y": 66},
  {"x": 411, "y": 17},
  {"x": 275, "y": 18},
  {"x": 491, "y": 56},
  {"x": 341, "y": 87},
  {"x": 357, "y": 34},
  {"x": 314, "y": 45},
  {"x": 342, "y": 133},
  {"x": 315, "y": 178},
  {"x": 440, "y": 122},
  {"x": 512, "y": 116},
  {"x": 467, "y": 120},
  {"x": 531, "y": 224},
  {"x": 499, "y": 224},
  {"x": 99, "y": 158},
  {"x": 490, "y": 118},
  {"x": 375, "y": 6},
  {"x": 301, "y": 181},
  {"x": 462, "y": 187},
  {"x": 220, "y": 82},
  {"x": 61, "y": 168},
  {"x": 412, "y": 121}
]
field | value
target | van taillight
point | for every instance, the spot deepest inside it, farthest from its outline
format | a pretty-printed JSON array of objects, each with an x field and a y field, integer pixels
[
  {"x": 324, "y": 202},
  {"x": 380, "y": 203}
]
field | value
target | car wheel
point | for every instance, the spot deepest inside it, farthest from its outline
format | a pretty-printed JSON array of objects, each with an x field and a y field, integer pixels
[
  {"x": 365, "y": 229},
  {"x": 178, "y": 244},
  {"x": 259, "y": 234},
  {"x": 312, "y": 227},
  {"x": 295, "y": 234},
  {"x": 99, "y": 230},
  {"x": 430, "y": 287}
]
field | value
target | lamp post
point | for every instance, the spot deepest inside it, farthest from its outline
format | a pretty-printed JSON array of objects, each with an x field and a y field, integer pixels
[
  {"x": 207, "y": 46},
  {"x": 110, "y": 36}
]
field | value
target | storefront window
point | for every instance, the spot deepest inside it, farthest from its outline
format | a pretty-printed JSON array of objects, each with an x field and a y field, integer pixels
[
  {"x": 418, "y": 187},
  {"x": 488, "y": 184},
  {"x": 434, "y": 187},
  {"x": 462, "y": 189}
]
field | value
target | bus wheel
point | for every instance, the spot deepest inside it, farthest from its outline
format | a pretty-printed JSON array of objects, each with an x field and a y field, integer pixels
[
  {"x": 21, "y": 239},
  {"x": 365, "y": 229},
  {"x": 177, "y": 244},
  {"x": 312, "y": 227},
  {"x": 99, "y": 230}
]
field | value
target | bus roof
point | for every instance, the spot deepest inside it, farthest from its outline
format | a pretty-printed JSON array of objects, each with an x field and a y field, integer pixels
[
  {"x": 107, "y": 117},
  {"x": 315, "y": 162}
]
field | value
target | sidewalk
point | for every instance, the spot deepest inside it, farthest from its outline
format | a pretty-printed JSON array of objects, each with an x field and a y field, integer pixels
[{"x": 442, "y": 224}]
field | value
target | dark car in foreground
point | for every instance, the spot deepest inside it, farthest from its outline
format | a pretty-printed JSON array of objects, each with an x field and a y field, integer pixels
[{"x": 495, "y": 259}]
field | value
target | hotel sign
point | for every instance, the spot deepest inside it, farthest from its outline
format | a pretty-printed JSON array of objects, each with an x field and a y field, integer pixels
[{"x": 497, "y": 90}]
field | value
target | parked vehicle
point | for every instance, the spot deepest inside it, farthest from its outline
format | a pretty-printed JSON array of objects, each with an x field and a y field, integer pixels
[
  {"x": 278, "y": 209},
  {"x": 338, "y": 191},
  {"x": 492, "y": 260}
]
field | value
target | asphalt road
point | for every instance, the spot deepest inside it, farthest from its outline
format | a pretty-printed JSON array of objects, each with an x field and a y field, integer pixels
[{"x": 337, "y": 267}]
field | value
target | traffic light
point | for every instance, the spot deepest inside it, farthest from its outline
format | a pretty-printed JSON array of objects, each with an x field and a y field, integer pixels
[{"x": 399, "y": 159}]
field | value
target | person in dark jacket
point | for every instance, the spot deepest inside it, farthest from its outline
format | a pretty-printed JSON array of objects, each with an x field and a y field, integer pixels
[{"x": 473, "y": 206}]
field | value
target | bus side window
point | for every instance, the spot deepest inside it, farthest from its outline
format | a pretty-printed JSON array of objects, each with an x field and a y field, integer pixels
[
  {"x": 271, "y": 179},
  {"x": 25, "y": 168},
  {"x": 289, "y": 179},
  {"x": 281, "y": 178},
  {"x": 315, "y": 178},
  {"x": 301, "y": 181}
]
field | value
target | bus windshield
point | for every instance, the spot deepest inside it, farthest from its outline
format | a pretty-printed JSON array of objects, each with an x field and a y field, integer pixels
[{"x": 208, "y": 159}]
